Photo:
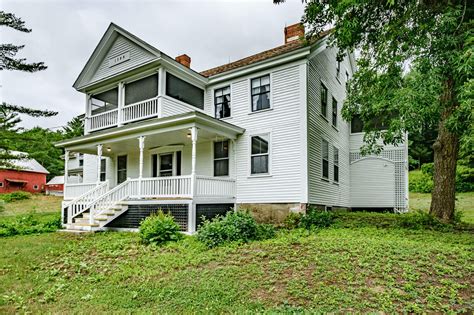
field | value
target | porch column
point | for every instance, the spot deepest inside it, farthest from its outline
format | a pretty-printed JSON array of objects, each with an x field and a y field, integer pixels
[
  {"x": 99, "y": 159},
  {"x": 141, "y": 146},
  {"x": 88, "y": 114},
  {"x": 161, "y": 90},
  {"x": 192, "y": 206},
  {"x": 66, "y": 172},
  {"x": 121, "y": 102}
]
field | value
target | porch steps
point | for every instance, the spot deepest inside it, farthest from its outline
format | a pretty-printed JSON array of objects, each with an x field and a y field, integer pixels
[{"x": 81, "y": 223}]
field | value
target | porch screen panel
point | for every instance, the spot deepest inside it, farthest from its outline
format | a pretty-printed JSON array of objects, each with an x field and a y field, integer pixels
[
  {"x": 121, "y": 169},
  {"x": 104, "y": 102},
  {"x": 183, "y": 91},
  {"x": 141, "y": 90}
]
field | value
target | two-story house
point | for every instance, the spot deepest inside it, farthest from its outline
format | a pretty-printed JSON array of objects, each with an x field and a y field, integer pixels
[{"x": 263, "y": 133}]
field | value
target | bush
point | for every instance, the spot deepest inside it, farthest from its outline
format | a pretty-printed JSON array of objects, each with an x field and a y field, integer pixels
[
  {"x": 238, "y": 227},
  {"x": 420, "y": 182},
  {"x": 29, "y": 224},
  {"x": 292, "y": 220},
  {"x": 317, "y": 219},
  {"x": 15, "y": 196},
  {"x": 464, "y": 178},
  {"x": 422, "y": 220},
  {"x": 159, "y": 228}
]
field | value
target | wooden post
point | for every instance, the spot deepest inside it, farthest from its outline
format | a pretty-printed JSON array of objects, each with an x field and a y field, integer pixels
[
  {"x": 161, "y": 90},
  {"x": 192, "y": 206},
  {"x": 121, "y": 103},
  {"x": 87, "y": 125},
  {"x": 66, "y": 171},
  {"x": 141, "y": 146}
]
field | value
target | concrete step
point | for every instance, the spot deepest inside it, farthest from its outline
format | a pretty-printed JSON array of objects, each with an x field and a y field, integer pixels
[
  {"x": 80, "y": 224},
  {"x": 70, "y": 230}
]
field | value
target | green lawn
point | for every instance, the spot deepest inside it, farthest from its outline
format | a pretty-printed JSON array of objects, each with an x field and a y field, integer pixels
[
  {"x": 38, "y": 203},
  {"x": 464, "y": 203},
  {"x": 334, "y": 270}
]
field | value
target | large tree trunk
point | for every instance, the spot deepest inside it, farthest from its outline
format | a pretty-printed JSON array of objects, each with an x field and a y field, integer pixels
[{"x": 446, "y": 149}]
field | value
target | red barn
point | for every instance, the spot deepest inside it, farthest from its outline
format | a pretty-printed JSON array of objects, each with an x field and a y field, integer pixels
[
  {"x": 55, "y": 186},
  {"x": 28, "y": 175}
]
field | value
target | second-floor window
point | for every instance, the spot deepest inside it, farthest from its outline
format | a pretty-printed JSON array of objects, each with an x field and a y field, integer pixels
[
  {"x": 325, "y": 158},
  {"x": 222, "y": 102},
  {"x": 260, "y": 93},
  {"x": 324, "y": 100},
  {"x": 334, "y": 112},
  {"x": 221, "y": 158}
]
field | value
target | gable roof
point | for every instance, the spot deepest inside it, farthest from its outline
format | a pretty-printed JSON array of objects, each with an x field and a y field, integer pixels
[
  {"x": 112, "y": 32},
  {"x": 264, "y": 55},
  {"x": 26, "y": 164}
]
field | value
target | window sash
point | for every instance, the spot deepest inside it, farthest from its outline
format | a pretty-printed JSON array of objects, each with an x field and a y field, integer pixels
[
  {"x": 336, "y": 164},
  {"x": 260, "y": 93},
  {"x": 222, "y": 102},
  {"x": 260, "y": 154},
  {"x": 324, "y": 100},
  {"x": 334, "y": 112},
  {"x": 221, "y": 158},
  {"x": 325, "y": 158}
]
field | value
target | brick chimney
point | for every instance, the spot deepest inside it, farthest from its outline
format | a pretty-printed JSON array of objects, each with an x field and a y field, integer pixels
[
  {"x": 184, "y": 59},
  {"x": 294, "y": 32}
]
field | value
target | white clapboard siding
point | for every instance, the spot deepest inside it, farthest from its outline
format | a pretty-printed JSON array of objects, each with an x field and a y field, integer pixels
[
  {"x": 283, "y": 122},
  {"x": 322, "y": 68},
  {"x": 372, "y": 183},
  {"x": 121, "y": 45}
]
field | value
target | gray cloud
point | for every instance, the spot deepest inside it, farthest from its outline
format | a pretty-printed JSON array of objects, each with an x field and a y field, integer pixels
[{"x": 66, "y": 32}]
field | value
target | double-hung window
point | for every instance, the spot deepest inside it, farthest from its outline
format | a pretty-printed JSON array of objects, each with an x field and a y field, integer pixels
[
  {"x": 222, "y": 102},
  {"x": 260, "y": 93},
  {"x": 334, "y": 112},
  {"x": 221, "y": 158},
  {"x": 336, "y": 164},
  {"x": 338, "y": 69},
  {"x": 103, "y": 167},
  {"x": 325, "y": 158},
  {"x": 324, "y": 100},
  {"x": 121, "y": 168},
  {"x": 260, "y": 154}
]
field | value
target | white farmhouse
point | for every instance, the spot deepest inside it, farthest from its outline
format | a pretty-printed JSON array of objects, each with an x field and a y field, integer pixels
[{"x": 264, "y": 132}]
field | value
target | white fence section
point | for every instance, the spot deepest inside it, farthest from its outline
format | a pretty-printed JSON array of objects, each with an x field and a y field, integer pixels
[
  {"x": 140, "y": 110},
  {"x": 79, "y": 204},
  {"x": 162, "y": 187},
  {"x": 103, "y": 120},
  {"x": 72, "y": 191},
  {"x": 207, "y": 186}
]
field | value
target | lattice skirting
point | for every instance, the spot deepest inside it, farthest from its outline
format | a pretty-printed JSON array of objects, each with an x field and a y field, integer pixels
[{"x": 209, "y": 211}]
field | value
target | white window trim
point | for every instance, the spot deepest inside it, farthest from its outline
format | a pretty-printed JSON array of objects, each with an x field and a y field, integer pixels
[
  {"x": 213, "y": 91},
  {"x": 270, "y": 154},
  {"x": 249, "y": 86},
  {"x": 322, "y": 158},
  {"x": 228, "y": 157}
]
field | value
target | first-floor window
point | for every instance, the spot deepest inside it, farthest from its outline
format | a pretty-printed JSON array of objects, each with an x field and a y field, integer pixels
[
  {"x": 336, "y": 164},
  {"x": 334, "y": 112},
  {"x": 121, "y": 168},
  {"x": 103, "y": 167},
  {"x": 221, "y": 158},
  {"x": 35, "y": 187},
  {"x": 260, "y": 154},
  {"x": 325, "y": 158},
  {"x": 1, "y": 184}
]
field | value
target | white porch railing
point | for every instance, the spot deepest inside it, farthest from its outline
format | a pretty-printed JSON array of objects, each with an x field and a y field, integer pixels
[
  {"x": 161, "y": 187},
  {"x": 208, "y": 186},
  {"x": 72, "y": 191},
  {"x": 79, "y": 204},
  {"x": 103, "y": 120},
  {"x": 109, "y": 199},
  {"x": 140, "y": 110}
]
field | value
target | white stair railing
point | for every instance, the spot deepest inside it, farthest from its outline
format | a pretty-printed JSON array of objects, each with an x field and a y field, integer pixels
[
  {"x": 109, "y": 199},
  {"x": 78, "y": 205}
]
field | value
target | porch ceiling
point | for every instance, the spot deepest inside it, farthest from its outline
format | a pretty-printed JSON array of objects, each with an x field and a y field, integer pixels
[{"x": 159, "y": 132}]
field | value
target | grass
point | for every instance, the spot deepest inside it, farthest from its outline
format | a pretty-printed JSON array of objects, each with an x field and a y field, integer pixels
[
  {"x": 37, "y": 203},
  {"x": 464, "y": 203},
  {"x": 366, "y": 269}
]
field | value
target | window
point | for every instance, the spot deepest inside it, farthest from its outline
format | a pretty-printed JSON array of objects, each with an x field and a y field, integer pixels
[
  {"x": 141, "y": 90},
  {"x": 336, "y": 164},
  {"x": 154, "y": 165},
  {"x": 104, "y": 102},
  {"x": 222, "y": 102},
  {"x": 347, "y": 80},
  {"x": 357, "y": 125},
  {"x": 221, "y": 158},
  {"x": 324, "y": 100},
  {"x": 260, "y": 93},
  {"x": 325, "y": 158},
  {"x": 1, "y": 184},
  {"x": 334, "y": 112},
  {"x": 103, "y": 166},
  {"x": 338, "y": 69},
  {"x": 259, "y": 154},
  {"x": 183, "y": 91},
  {"x": 81, "y": 159},
  {"x": 35, "y": 187},
  {"x": 121, "y": 168}
]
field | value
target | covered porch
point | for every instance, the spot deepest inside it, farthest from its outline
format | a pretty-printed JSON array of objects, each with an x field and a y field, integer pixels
[{"x": 184, "y": 158}]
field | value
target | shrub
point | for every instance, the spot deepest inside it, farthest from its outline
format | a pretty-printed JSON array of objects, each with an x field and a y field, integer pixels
[
  {"x": 238, "y": 227},
  {"x": 159, "y": 228},
  {"x": 292, "y": 220},
  {"x": 29, "y": 224},
  {"x": 317, "y": 219},
  {"x": 422, "y": 220},
  {"x": 464, "y": 178},
  {"x": 15, "y": 196},
  {"x": 420, "y": 182}
]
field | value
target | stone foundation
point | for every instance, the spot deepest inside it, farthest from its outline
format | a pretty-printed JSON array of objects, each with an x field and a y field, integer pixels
[{"x": 272, "y": 212}]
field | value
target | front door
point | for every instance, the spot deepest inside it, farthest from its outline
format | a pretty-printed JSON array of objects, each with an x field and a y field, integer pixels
[{"x": 166, "y": 164}]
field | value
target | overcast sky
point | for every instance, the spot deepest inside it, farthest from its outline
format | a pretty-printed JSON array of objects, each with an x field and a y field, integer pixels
[{"x": 66, "y": 32}]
